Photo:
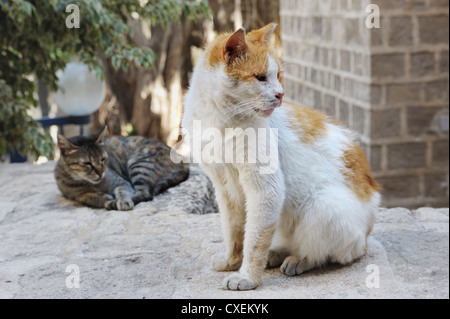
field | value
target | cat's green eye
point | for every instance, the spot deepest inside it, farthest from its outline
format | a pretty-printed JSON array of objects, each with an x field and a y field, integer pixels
[{"x": 261, "y": 78}]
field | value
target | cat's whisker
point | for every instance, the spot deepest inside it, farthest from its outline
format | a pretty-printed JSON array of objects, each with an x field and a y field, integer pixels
[{"x": 244, "y": 109}]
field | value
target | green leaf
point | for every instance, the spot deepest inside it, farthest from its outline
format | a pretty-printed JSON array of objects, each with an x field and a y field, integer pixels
[
  {"x": 115, "y": 60},
  {"x": 125, "y": 64},
  {"x": 28, "y": 7}
]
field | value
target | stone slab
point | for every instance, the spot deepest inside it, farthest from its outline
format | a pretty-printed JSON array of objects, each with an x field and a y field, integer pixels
[{"x": 162, "y": 249}]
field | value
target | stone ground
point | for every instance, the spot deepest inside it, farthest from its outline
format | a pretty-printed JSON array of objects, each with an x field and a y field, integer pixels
[{"x": 162, "y": 250}]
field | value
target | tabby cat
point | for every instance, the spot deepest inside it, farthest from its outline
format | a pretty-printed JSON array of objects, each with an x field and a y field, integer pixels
[
  {"x": 115, "y": 172},
  {"x": 318, "y": 206}
]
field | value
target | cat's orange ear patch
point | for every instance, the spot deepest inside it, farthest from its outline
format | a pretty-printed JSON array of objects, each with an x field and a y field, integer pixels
[
  {"x": 264, "y": 34},
  {"x": 244, "y": 55},
  {"x": 235, "y": 47}
]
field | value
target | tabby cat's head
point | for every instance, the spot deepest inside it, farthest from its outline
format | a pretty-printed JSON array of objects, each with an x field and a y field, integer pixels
[{"x": 85, "y": 157}]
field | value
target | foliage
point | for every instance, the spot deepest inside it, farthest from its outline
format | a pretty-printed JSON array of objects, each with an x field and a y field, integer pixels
[
  {"x": 35, "y": 43},
  {"x": 17, "y": 127}
]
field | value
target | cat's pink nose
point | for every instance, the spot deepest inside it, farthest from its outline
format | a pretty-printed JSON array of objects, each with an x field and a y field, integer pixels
[
  {"x": 99, "y": 172},
  {"x": 279, "y": 96}
]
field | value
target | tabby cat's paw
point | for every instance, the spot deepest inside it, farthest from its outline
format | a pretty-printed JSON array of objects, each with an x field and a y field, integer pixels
[
  {"x": 238, "y": 281},
  {"x": 125, "y": 204},
  {"x": 221, "y": 263},
  {"x": 119, "y": 204},
  {"x": 111, "y": 205},
  {"x": 142, "y": 197}
]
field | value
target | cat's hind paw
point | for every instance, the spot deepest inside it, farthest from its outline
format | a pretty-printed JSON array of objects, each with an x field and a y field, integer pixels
[
  {"x": 141, "y": 196},
  {"x": 238, "y": 281},
  {"x": 275, "y": 258},
  {"x": 221, "y": 263},
  {"x": 293, "y": 265}
]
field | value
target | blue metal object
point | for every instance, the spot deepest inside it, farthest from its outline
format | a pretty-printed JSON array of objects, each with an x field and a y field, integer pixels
[
  {"x": 60, "y": 121},
  {"x": 15, "y": 157}
]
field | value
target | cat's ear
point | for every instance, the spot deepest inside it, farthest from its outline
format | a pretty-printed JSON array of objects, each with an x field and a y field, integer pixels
[
  {"x": 263, "y": 35},
  {"x": 99, "y": 136},
  {"x": 65, "y": 146},
  {"x": 235, "y": 47}
]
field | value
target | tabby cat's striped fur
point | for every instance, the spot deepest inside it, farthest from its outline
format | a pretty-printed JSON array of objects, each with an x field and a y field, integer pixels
[{"x": 115, "y": 172}]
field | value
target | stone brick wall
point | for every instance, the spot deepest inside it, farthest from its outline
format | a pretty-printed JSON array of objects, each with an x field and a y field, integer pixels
[{"x": 390, "y": 85}]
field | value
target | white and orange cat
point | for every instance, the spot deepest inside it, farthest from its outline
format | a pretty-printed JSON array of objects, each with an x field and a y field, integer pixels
[{"x": 317, "y": 207}]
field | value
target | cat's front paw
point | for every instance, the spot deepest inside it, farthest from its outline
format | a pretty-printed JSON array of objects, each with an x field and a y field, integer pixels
[
  {"x": 222, "y": 263},
  {"x": 238, "y": 281},
  {"x": 120, "y": 204},
  {"x": 125, "y": 204},
  {"x": 111, "y": 205}
]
